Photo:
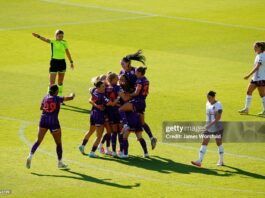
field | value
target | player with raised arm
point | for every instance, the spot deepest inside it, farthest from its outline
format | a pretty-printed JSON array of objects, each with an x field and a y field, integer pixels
[
  {"x": 59, "y": 48},
  {"x": 50, "y": 107}
]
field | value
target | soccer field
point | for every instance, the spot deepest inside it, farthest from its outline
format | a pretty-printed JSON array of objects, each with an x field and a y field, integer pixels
[{"x": 191, "y": 47}]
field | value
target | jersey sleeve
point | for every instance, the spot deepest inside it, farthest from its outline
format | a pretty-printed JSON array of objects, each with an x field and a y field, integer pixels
[
  {"x": 260, "y": 58},
  {"x": 219, "y": 107},
  {"x": 52, "y": 40},
  {"x": 65, "y": 45},
  {"x": 60, "y": 99}
]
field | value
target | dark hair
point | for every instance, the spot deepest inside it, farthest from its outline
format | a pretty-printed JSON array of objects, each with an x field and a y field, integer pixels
[
  {"x": 138, "y": 56},
  {"x": 98, "y": 84},
  {"x": 211, "y": 93},
  {"x": 141, "y": 70},
  {"x": 59, "y": 32},
  {"x": 260, "y": 44},
  {"x": 53, "y": 89}
]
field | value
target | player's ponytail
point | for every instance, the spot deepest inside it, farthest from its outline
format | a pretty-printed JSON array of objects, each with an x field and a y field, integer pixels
[
  {"x": 261, "y": 45},
  {"x": 138, "y": 56},
  {"x": 142, "y": 70}
]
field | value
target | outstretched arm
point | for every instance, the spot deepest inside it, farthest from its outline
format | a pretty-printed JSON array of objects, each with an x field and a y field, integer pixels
[
  {"x": 41, "y": 37},
  {"x": 70, "y": 97}
]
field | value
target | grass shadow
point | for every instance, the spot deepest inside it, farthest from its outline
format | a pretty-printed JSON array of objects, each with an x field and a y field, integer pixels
[
  {"x": 239, "y": 171},
  {"x": 87, "y": 178},
  {"x": 164, "y": 165},
  {"x": 75, "y": 109}
]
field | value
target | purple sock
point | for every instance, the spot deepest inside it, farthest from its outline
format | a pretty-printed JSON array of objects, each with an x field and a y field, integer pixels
[
  {"x": 123, "y": 117},
  {"x": 125, "y": 146},
  {"x": 59, "y": 151},
  {"x": 114, "y": 141},
  {"x": 104, "y": 138},
  {"x": 121, "y": 141},
  {"x": 108, "y": 139},
  {"x": 34, "y": 147},
  {"x": 84, "y": 142},
  {"x": 147, "y": 130},
  {"x": 143, "y": 144},
  {"x": 94, "y": 148}
]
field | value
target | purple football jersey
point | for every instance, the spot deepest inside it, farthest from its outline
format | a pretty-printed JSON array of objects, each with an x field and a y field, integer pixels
[
  {"x": 51, "y": 105},
  {"x": 99, "y": 99},
  {"x": 130, "y": 75},
  {"x": 144, "y": 84}
]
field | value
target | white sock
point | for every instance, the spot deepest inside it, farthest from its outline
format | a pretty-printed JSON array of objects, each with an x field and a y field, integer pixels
[
  {"x": 30, "y": 156},
  {"x": 248, "y": 101},
  {"x": 100, "y": 146},
  {"x": 108, "y": 149},
  {"x": 221, "y": 153},
  {"x": 60, "y": 161},
  {"x": 202, "y": 152},
  {"x": 263, "y": 102}
]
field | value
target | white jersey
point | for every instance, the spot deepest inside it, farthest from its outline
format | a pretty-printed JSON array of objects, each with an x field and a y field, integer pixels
[
  {"x": 260, "y": 73},
  {"x": 211, "y": 111}
]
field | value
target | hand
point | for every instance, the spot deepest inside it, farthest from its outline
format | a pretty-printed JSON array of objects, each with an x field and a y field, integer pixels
[
  {"x": 72, "y": 66},
  {"x": 100, "y": 107},
  {"x": 72, "y": 95},
  {"x": 35, "y": 35},
  {"x": 246, "y": 77}
]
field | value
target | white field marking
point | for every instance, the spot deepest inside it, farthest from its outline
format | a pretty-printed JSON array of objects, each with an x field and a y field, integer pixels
[
  {"x": 24, "y": 139},
  {"x": 153, "y": 14},
  {"x": 168, "y": 144},
  {"x": 73, "y": 23}
]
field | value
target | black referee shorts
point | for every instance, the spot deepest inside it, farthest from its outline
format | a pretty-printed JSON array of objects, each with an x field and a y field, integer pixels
[{"x": 57, "y": 65}]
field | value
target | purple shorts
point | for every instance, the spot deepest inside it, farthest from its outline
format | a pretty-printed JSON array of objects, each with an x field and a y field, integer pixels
[
  {"x": 134, "y": 121},
  {"x": 113, "y": 115},
  {"x": 97, "y": 117},
  {"x": 138, "y": 106},
  {"x": 50, "y": 123}
]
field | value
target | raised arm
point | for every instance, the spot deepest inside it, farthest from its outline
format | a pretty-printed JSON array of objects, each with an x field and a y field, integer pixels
[
  {"x": 41, "y": 37},
  {"x": 70, "y": 97}
]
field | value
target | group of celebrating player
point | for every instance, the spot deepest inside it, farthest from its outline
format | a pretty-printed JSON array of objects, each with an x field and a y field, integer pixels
[
  {"x": 118, "y": 105},
  {"x": 119, "y": 102}
]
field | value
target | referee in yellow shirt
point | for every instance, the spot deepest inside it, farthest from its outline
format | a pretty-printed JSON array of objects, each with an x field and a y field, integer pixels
[{"x": 59, "y": 48}]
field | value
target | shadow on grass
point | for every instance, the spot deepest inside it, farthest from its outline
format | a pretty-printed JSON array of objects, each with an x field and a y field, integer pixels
[
  {"x": 164, "y": 165},
  {"x": 252, "y": 115},
  {"x": 238, "y": 171},
  {"x": 75, "y": 109},
  {"x": 88, "y": 178}
]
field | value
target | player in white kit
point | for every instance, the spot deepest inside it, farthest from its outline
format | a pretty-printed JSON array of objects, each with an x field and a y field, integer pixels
[
  {"x": 214, "y": 129},
  {"x": 258, "y": 79}
]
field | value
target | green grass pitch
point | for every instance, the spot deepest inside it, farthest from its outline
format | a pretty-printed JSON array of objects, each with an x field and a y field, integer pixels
[{"x": 191, "y": 47}]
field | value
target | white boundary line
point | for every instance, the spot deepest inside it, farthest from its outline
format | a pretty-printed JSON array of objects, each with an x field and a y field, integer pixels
[
  {"x": 24, "y": 139},
  {"x": 168, "y": 144},
  {"x": 74, "y": 23},
  {"x": 153, "y": 14}
]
